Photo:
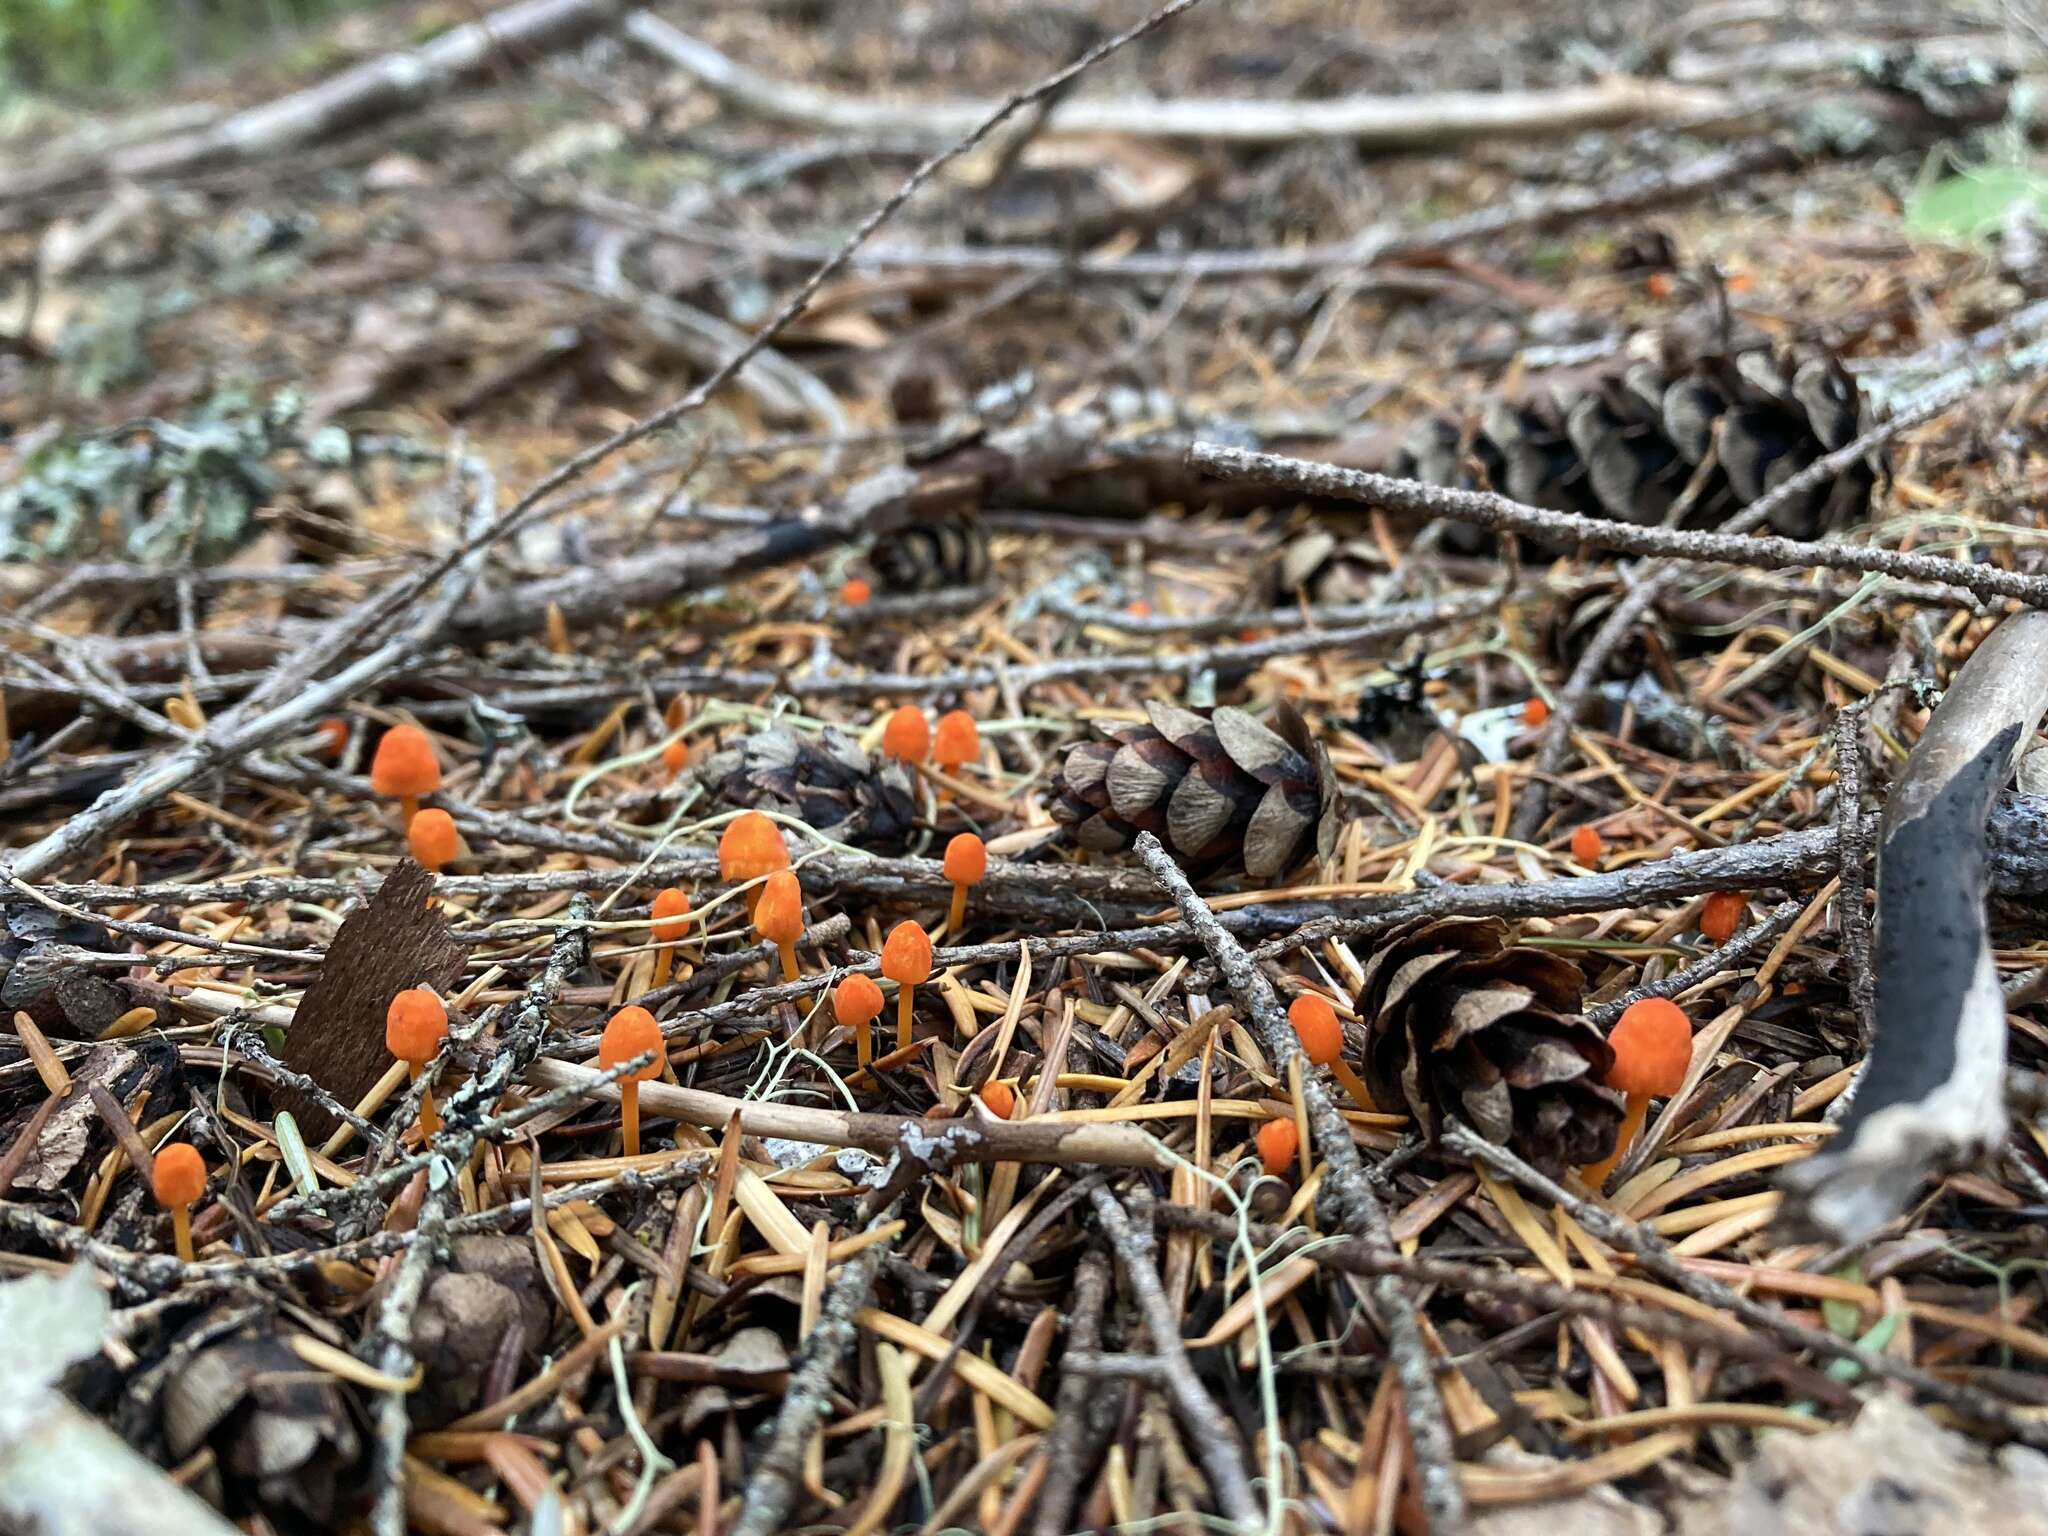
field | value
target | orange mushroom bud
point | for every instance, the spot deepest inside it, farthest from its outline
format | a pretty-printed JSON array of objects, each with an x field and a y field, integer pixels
[
  {"x": 956, "y": 741},
  {"x": 1652, "y": 1047},
  {"x": 630, "y": 1032},
  {"x": 675, "y": 757},
  {"x": 779, "y": 915},
  {"x": 1588, "y": 845},
  {"x": 856, "y": 592},
  {"x": 178, "y": 1179},
  {"x": 966, "y": 864},
  {"x": 906, "y": 737},
  {"x": 1279, "y": 1145},
  {"x": 1722, "y": 915},
  {"x": 405, "y": 767},
  {"x": 433, "y": 839},
  {"x": 749, "y": 848},
  {"x": 333, "y": 734},
  {"x": 671, "y": 913},
  {"x": 1000, "y": 1098},
  {"x": 857, "y": 1003},
  {"x": 1322, "y": 1041},
  {"x": 906, "y": 960},
  {"x": 414, "y": 1026},
  {"x": 1535, "y": 713}
]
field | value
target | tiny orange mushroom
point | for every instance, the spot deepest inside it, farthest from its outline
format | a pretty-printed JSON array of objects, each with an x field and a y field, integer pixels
[
  {"x": 1722, "y": 915},
  {"x": 414, "y": 1026},
  {"x": 1652, "y": 1052},
  {"x": 1588, "y": 845},
  {"x": 779, "y": 915},
  {"x": 856, "y": 592},
  {"x": 1279, "y": 1145},
  {"x": 966, "y": 865},
  {"x": 856, "y": 1004},
  {"x": 907, "y": 961},
  {"x": 749, "y": 848},
  {"x": 1000, "y": 1098},
  {"x": 432, "y": 837},
  {"x": 675, "y": 757},
  {"x": 671, "y": 921},
  {"x": 333, "y": 734},
  {"x": 956, "y": 742},
  {"x": 631, "y": 1032},
  {"x": 405, "y": 767},
  {"x": 1535, "y": 713},
  {"x": 1322, "y": 1041},
  {"x": 906, "y": 737},
  {"x": 177, "y": 1177}
]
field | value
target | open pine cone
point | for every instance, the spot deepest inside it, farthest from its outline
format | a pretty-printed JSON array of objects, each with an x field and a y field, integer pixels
[
  {"x": 825, "y": 781},
  {"x": 926, "y": 556},
  {"x": 1463, "y": 1023},
  {"x": 1217, "y": 788}
]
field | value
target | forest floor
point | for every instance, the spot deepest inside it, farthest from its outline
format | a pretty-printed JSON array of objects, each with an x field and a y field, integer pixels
[{"x": 469, "y": 404}]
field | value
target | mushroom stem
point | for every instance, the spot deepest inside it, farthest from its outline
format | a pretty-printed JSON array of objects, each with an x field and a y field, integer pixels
[
  {"x": 430, "y": 1123},
  {"x": 789, "y": 970},
  {"x": 1353, "y": 1084},
  {"x": 408, "y": 807},
  {"x": 181, "y": 1231},
  {"x": 957, "y": 913},
  {"x": 664, "y": 965},
  {"x": 1593, "y": 1175},
  {"x": 863, "y": 1043},
  {"x": 904, "y": 993},
  {"x": 629, "y": 1114}
]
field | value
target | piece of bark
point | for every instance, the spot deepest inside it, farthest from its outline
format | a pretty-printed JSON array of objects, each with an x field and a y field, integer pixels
[{"x": 394, "y": 941}]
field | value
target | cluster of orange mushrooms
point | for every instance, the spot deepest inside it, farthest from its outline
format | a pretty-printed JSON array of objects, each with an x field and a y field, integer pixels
[{"x": 1652, "y": 1042}]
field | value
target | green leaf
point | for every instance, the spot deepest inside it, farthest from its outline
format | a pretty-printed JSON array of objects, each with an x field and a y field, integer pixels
[{"x": 1976, "y": 203}]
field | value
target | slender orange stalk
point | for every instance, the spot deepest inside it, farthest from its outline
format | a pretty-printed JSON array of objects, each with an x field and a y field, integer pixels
[
  {"x": 779, "y": 916},
  {"x": 671, "y": 921},
  {"x": 630, "y": 1032}
]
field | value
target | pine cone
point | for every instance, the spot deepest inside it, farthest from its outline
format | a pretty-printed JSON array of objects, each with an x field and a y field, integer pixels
[
  {"x": 1216, "y": 788},
  {"x": 1626, "y": 443},
  {"x": 825, "y": 781},
  {"x": 1463, "y": 1023},
  {"x": 946, "y": 551}
]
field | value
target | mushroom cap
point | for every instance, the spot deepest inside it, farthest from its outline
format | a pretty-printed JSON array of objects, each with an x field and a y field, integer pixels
[
  {"x": 1587, "y": 844},
  {"x": 178, "y": 1176},
  {"x": 626, "y": 1034},
  {"x": 907, "y": 954},
  {"x": 405, "y": 763},
  {"x": 856, "y": 592},
  {"x": 1722, "y": 915},
  {"x": 415, "y": 1024},
  {"x": 675, "y": 756},
  {"x": 333, "y": 732},
  {"x": 856, "y": 1000},
  {"x": 671, "y": 915},
  {"x": 1315, "y": 1022},
  {"x": 750, "y": 847},
  {"x": 1000, "y": 1098},
  {"x": 1279, "y": 1144},
  {"x": 433, "y": 839},
  {"x": 779, "y": 914},
  {"x": 906, "y": 736},
  {"x": 966, "y": 860},
  {"x": 1652, "y": 1048},
  {"x": 957, "y": 739}
]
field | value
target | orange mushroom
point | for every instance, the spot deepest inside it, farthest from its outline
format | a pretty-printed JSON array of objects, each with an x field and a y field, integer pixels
[
  {"x": 1322, "y": 1041},
  {"x": 906, "y": 737},
  {"x": 1588, "y": 845},
  {"x": 631, "y": 1032},
  {"x": 675, "y": 757},
  {"x": 966, "y": 864},
  {"x": 178, "y": 1179},
  {"x": 779, "y": 916},
  {"x": 856, "y": 1004},
  {"x": 749, "y": 848},
  {"x": 1722, "y": 915},
  {"x": 1652, "y": 1052},
  {"x": 1535, "y": 713},
  {"x": 906, "y": 960},
  {"x": 433, "y": 839},
  {"x": 956, "y": 742},
  {"x": 405, "y": 767},
  {"x": 333, "y": 734},
  {"x": 414, "y": 1026},
  {"x": 856, "y": 592},
  {"x": 1000, "y": 1098},
  {"x": 1279, "y": 1145},
  {"x": 671, "y": 921}
]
